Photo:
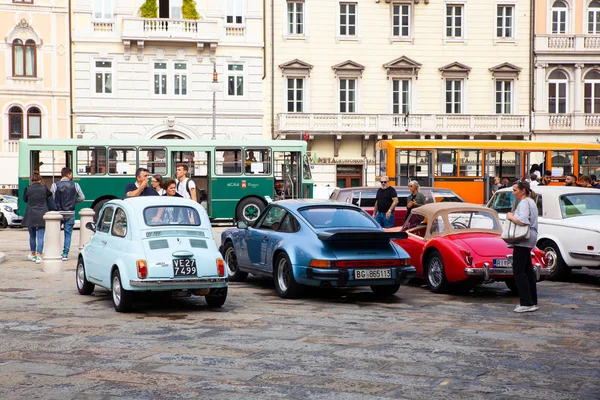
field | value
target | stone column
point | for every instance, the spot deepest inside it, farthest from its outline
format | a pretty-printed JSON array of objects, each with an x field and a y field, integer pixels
[
  {"x": 85, "y": 215},
  {"x": 52, "y": 248},
  {"x": 541, "y": 97},
  {"x": 578, "y": 117}
]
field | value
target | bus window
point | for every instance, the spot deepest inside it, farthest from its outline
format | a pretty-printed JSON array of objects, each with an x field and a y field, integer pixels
[
  {"x": 589, "y": 162},
  {"x": 445, "y": 163},
  {"x": 48, "y": 164},
  {"x": 470, "y": 162},
  {"x": 91, "y": 161},
  {"x": 154, "y": 159},
  {"x": 228, "y": 161},
  {"x": 121, "y": 161},
  {"x": 562, "y": 162},
  {"x": 257, "y": 161}
]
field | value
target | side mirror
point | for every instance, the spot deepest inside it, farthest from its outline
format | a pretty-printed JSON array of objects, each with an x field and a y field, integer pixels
[
  {"x": 242, "y": 225},
  {"x": 91, "y": 226}
]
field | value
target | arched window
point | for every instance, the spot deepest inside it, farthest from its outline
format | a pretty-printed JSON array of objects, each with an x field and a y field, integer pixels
[
  {"x": 557, "y": 92},
  {"x": 34, "y": 123},
  {"x": 559, "y": 17},
  {"x": 591, "y": 96},
  {"x": 594, "y": 18},
  {"x": 15, "y": 123},
  {"x": 24, "y": 58}
]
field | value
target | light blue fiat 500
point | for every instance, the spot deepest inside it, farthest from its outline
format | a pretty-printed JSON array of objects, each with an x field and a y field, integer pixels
[{"x": 152, "y": 243}]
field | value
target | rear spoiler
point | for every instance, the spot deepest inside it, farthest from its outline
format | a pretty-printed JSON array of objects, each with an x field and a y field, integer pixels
[{"x": 362, "y": 236}]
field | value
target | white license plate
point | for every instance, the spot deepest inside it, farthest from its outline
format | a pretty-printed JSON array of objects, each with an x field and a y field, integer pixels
[
  {"x": 373, "y": 274},
  {"x": 502, "y": 263}
]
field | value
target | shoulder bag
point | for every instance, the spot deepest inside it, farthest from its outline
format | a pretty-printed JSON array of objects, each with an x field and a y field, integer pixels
[{"x": 513, "y": 233}]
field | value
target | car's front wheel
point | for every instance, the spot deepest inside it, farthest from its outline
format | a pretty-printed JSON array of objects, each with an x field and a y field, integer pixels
[
  {"x": 285, "y": 282},
  {"x": 235, "y": 275},
  {"x": 122, "y": 299},
  {"x": 216, "y": 298},
  {"x": 83, "y": 286},
  {"x": 385, "y": 290},
  {"x": 436, "y": 274}
]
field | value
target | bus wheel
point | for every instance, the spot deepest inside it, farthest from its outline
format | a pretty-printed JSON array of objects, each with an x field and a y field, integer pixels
[
  {"x": 249, "y": 210},
  {"x": 97, "y": 209}
]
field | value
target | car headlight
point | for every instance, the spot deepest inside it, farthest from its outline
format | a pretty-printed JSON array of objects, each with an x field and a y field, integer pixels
[{"x": 8, "y": 208}]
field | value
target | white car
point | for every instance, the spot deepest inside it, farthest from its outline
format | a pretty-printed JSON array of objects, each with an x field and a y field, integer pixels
[
  {"x": 152, "y": 243},
  {"x": 8, "y": 212},
  {"x": 569, "y": 225}
]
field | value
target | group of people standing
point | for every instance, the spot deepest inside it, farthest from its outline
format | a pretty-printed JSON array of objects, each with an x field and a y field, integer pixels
[{"x": 182, "y": 186}]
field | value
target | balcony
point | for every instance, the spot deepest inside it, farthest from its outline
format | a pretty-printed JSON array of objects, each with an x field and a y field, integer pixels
[
  {"x": 161, "y": 29},
  {"x": 397, "y": 125},
  {"x": 567, "y": 122},
  {"x": 10, "y": 146},
  {"x": 567, "y": 44}
]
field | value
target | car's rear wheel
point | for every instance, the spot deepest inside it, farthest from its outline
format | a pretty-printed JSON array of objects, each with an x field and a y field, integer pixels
[
  {"x": 436, "y": 274},
  {"x": 122, "y": 299},
  {"x": 235, "y": 275},
  {"x": 285, "y": 282},
  {"x": 385, "y": 290},
  {"x": 558, "y": 269},
  {"x": 511, "y": 284},
  {"x": 83, "y": 286},
  {"x": 216, "y": 298}
]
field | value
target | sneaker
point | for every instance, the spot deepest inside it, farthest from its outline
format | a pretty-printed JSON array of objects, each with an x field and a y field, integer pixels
[
  {"x": 65, "y": 257},
  {"x": 31, "y": 257},
  {"x": 522, "y": 309},
  {"x": 38, "y": 260}
]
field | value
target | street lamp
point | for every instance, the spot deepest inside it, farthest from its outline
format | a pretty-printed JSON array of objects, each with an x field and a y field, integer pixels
[{"x": 214, "y": 87}]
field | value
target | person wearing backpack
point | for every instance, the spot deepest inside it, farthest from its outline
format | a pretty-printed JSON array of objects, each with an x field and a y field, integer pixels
[
  {"x": 66, "y": 194},
  {"x": 185, "y": 186}
]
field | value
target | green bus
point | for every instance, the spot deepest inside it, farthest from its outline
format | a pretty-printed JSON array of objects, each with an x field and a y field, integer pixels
[{"x": 236, "y": 180}]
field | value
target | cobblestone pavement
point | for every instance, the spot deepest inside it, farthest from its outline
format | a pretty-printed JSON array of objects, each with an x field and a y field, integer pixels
[{"x": 56, "y": 344}]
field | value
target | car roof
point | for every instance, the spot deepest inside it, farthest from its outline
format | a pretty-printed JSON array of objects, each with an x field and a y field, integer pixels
[
  {"x": 141, "y": 202},
  {"x": 295, "y": 204},
  {"x": 557, "y": 190},
  {"x": 430, "y": 209}
]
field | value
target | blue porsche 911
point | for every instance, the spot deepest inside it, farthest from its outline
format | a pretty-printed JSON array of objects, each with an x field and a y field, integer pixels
[{"x": 316, "y": 243}]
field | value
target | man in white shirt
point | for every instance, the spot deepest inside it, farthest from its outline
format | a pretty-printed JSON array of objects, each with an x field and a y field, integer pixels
[{"x": 185, "y": 186}]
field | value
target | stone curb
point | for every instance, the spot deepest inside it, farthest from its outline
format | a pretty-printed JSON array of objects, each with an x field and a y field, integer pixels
[{"x": 2, "y": 257}]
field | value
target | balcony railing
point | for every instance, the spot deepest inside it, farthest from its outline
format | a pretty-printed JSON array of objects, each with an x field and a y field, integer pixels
[
  {"x": 169, "y": 29},
  {"x": 398, "y": 124},
  {"x": 567, "y": 43},
  {"x": 10, "y": 146},
  {"x": 567, "y": 122}
]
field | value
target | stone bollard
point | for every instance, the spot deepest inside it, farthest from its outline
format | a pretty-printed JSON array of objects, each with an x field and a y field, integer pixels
[
  {"x": 52, "y": 248},
  {"x": 85, "y": 215}
]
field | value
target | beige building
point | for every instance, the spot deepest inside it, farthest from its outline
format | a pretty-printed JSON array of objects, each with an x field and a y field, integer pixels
[
  {"x": 34, "y": 80},
  {"x": 346, "y": 73},
  {"x": 567, "y": 70}
]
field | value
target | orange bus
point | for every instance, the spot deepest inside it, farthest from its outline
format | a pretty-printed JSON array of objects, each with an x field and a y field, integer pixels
[{"x": 468, "y": 167}]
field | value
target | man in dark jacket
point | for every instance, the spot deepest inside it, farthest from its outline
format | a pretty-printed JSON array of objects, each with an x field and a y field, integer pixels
[{"x": 66, "y": 194}]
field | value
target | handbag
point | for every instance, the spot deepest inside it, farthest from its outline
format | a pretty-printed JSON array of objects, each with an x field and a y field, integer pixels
[{"x": 513, "y": 233}]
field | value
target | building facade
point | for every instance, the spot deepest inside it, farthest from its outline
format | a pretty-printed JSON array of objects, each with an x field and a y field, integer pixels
[
  {"x": 154, "y": 76},
  {"x": 34, "y": 78},
  {"x": 567, "y": 70},
  {"x": 346, "y": 73}
]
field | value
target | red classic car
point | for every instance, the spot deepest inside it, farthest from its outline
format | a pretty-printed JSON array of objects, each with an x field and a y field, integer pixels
[{"x": 459, "y": 245}]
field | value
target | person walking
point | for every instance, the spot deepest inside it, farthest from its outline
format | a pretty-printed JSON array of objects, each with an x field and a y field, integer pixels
[
  {"x": 185, "y": 186},
  {"x": 415, "y": 198},
  {"x": 140, "y": 187},
  {"x": 157, "y": 183},
  {"x": 385, "y": 202},
  {"x": 66, "y": 194},
  {"x": 525, "y": 213},
  {"x": 36, "y": 196}
]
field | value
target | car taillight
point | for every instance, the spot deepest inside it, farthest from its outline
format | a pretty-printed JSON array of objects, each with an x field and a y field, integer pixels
[
  {"x": 142, "y": 269},
  {"x": 322, "y": 264},
  {"x": 544, "y": 257},
  {"x": 467, "y": 256},
  {"x": 220, "y": 267}
]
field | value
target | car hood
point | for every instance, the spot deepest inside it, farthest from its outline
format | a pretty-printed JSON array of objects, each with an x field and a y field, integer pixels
[{"x": 485, "y": 245}]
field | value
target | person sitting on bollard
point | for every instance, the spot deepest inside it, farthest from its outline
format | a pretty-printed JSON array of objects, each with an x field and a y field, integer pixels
[
  {"x": 66, "y": 194},
  {"x": 36, "y": 196}
]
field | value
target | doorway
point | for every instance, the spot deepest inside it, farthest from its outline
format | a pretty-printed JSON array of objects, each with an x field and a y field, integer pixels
[
  {"x": 169, "y": 9},
  {"x": 348, "y": 176}
]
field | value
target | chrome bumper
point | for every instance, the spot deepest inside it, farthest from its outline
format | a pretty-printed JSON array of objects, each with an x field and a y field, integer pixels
[
  {"x": 486, "y": 271},
  {"x": 585, "y": 255},
  {"x": 197, "y": 283}
]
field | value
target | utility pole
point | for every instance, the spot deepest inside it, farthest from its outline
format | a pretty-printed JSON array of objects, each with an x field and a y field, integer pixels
[{"x": 215, "y": 82}]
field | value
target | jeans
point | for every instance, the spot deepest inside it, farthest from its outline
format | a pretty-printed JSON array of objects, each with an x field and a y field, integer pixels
[
  {"x": 39, "y": 233},
  {"x": 383, "y": 221},
  {"x": 524, "y": 276},
  {"x": 68, "y": 227}
]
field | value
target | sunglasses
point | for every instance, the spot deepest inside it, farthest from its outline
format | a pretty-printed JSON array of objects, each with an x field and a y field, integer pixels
[{"x": 385, "y": 181}]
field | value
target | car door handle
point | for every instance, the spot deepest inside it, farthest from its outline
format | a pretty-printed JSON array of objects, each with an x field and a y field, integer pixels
[{"x": 103, "y": 241}]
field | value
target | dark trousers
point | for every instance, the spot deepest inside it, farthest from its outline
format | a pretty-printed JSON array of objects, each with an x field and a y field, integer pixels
[{"x": 524, "y": 276}]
